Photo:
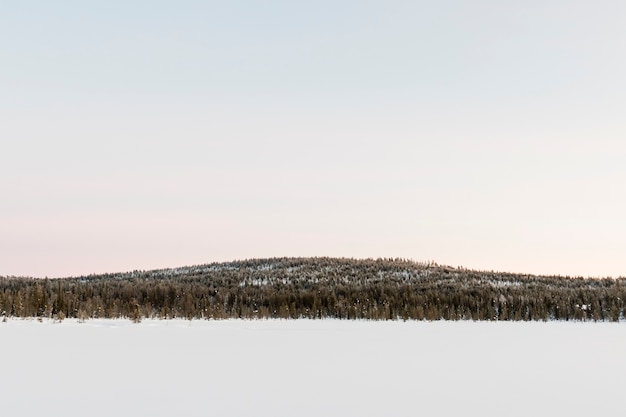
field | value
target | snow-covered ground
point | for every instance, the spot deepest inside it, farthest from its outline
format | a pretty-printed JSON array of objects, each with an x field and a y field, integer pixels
[{"x": 311, "y": 368}]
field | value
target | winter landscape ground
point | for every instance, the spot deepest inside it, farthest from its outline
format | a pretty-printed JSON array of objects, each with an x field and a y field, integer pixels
[
  {"x": 311, "y": 368},
  {"x": 308, "y": 209}
]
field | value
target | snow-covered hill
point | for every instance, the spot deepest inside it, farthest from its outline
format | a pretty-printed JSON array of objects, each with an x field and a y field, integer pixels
[{"x": 381, "y": 289}]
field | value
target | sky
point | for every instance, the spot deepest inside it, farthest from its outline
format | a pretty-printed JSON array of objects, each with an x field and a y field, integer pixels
[{"x": 153, "y": 134}]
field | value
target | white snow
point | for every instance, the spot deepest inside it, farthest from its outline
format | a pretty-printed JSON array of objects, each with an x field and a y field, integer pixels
[{"x": 311, "y": 368}]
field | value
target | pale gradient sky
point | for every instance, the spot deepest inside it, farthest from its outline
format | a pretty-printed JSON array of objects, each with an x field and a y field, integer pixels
[{"x": 150, "y": 134}]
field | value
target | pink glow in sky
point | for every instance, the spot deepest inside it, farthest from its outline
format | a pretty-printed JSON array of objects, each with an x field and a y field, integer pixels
[{"x": 156, "y": 135}]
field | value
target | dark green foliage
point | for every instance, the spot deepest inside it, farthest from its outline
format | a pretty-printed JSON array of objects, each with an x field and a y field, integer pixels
[{"x": 383, "y": 289}]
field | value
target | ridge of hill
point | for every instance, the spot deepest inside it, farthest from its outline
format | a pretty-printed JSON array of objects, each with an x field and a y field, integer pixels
[{"x": 344, "y": 288}]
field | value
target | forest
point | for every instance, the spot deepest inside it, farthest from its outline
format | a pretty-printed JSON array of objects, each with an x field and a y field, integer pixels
[{"x": 316, "y": 288}]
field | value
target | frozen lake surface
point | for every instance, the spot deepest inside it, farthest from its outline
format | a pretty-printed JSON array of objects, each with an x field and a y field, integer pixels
[{"x": 311, "y": 368}]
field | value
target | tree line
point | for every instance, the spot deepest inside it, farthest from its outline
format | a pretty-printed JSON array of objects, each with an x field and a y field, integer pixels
[{"x": 316, "y": 288}]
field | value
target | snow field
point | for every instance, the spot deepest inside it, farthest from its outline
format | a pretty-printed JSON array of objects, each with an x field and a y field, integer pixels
[{"x": 311, "y": 368}]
